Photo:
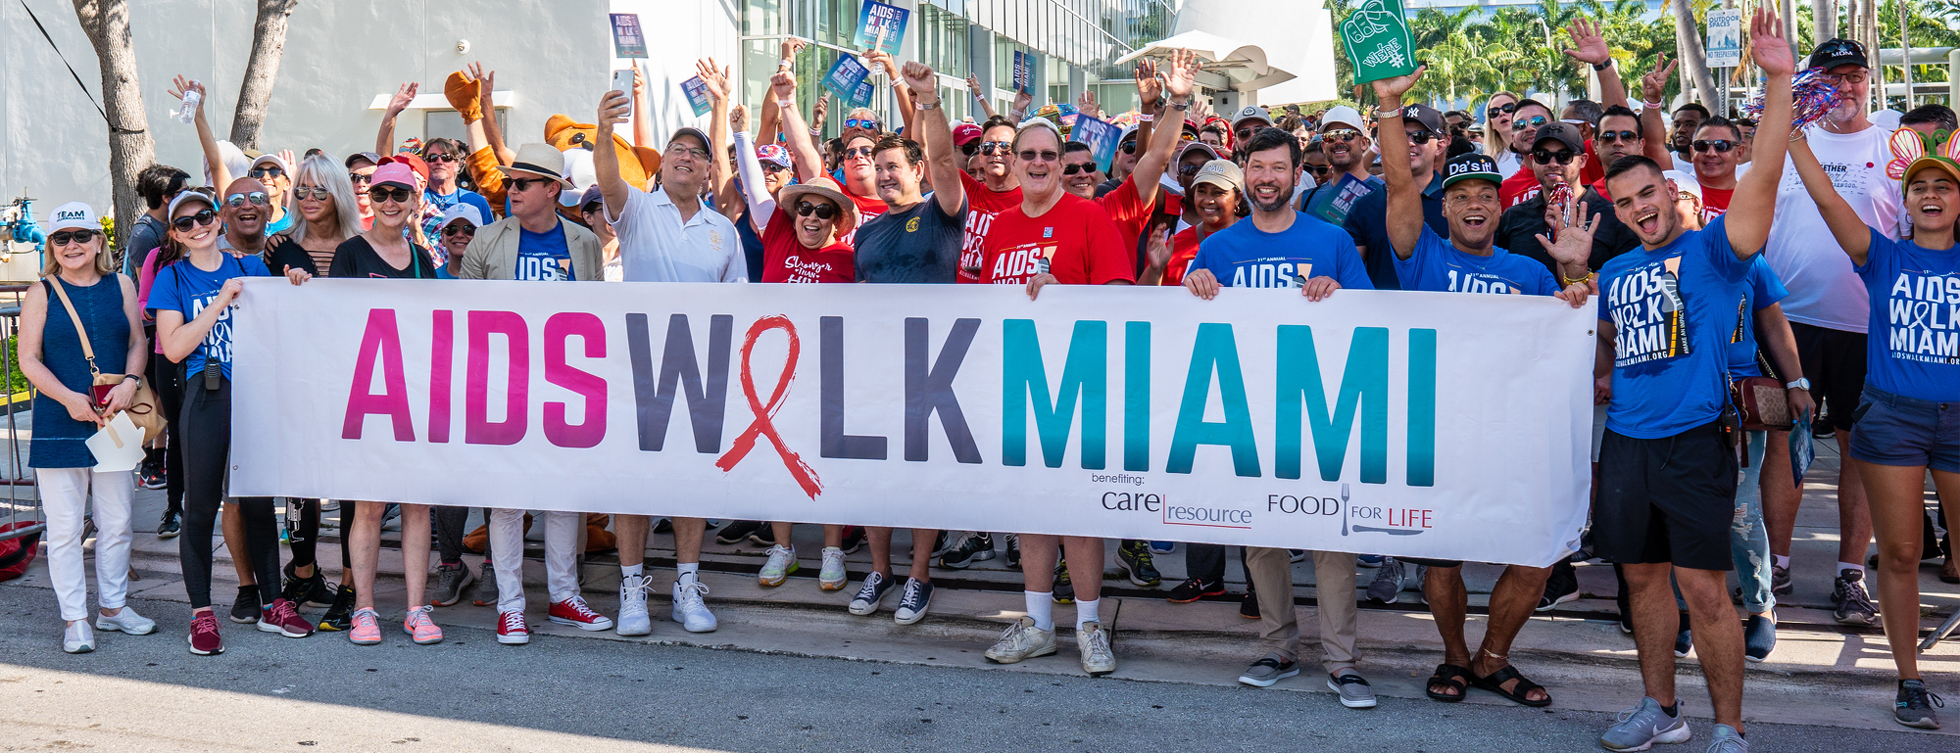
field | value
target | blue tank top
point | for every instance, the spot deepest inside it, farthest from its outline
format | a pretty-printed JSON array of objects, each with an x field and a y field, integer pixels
[{"x": 59, "y": 439}]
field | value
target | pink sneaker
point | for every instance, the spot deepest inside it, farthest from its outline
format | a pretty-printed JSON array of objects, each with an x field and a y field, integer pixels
[
  {"x": 204, "y": 636},
  {"x": 366, "y": 630},
  {"x": 284, "y": 619},
  {"x": 511, "y": 630},
  {"x": 574, "y": 612},
  {"x": 420, "y": 627}
]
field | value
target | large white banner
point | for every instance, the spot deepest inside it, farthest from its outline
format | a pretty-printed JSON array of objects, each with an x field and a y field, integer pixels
[{"x": 1418, "y": 424}]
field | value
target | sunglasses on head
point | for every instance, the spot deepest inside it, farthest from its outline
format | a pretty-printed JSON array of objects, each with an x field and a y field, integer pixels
[
  {"x": 441, "y": 157},
  {"x": 65, "y": 237},
  {"x": 184, "y": 223},
  {"x": 1721, "y": 146},
  {"x": 459, "y": 228},
  {"x": 859, "y": 151},
  {"x": 525, "y": 184},
  {"x": 361, "y": 178},
  {"x": 868, "y": 124},
  {"x": 263, "y": 172},
  {"x": 822, "y": 211},
  {"x": 257, "y": 198},
  {"x": 996, "y": 147},
  {"x": 316, "y": 193},
  {"x": 1545, "y": 156},
  {"x": 395, "y": 194},
  {"x": 1503, "y": 109},
  {"x": 1534, "y": 122},
  {"x": 1039, "y": 155},
  {"x": 1612, "y": 137},
  {"x": 1343, "y": 136},
  {"x": 1079, "y": 168}
]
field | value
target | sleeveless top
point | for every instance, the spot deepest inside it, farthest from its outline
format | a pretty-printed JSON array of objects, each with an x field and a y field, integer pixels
[{"x": 58, "y": 438}]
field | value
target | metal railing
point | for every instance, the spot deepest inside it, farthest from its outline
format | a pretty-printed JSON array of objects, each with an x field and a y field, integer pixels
[{"x": 23, "y": 516}]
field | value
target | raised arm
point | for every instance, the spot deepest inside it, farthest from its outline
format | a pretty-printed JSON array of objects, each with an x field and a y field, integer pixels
[
  {"x": 803, "y": 154},
  {"x": 1150, "y": 102},
  {"x": 1405, "y": 214},
  {"x": 1754, "y": 203},
  {"x": 214, "y": 160},
  {"x": 768, "y": 120},
  {"x": 1589, "y": 47},
  {"x": 716, "y": 78},
  {"x": 1179, "y": 83},
  {"x": 936, "y": 136},
  {"x": 642, "y": 110},
  {"x": 1846, "y": 226},
  {"x": 754, "y": 190},
  {"x": 384, "y": 139},
  {"x": 493, "y": 134},
  {"x": 973, "y": 88},
  {"x": 902, "y": 91},
  {"x": 1653, "y": 130},
  {"x": 605, "y": 162}
]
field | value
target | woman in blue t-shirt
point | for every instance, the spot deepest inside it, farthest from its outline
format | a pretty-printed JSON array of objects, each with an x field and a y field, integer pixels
[
  {"x": 192, "y": 296},
  {"x": 1909, "y": 418}
]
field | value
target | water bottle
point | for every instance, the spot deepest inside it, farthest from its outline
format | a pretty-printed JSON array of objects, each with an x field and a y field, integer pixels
[{"x": 192, "y": 98}]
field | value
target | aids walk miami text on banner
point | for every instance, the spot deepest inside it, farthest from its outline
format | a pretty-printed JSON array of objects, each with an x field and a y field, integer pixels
[{"x": 1416, "y": 424}]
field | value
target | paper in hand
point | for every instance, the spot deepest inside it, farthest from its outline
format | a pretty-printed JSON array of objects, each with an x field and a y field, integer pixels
[
  {"x": 1803, "y": 450},
  {"x": 118, "y": 446}
]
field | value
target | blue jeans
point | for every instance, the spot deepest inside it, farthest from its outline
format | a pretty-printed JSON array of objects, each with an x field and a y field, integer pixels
[{"x": 1748, "y": 539}]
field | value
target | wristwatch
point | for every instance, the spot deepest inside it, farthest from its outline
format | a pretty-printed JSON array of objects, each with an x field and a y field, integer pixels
[
  {"x": 1603, "y": 66},
  {"x": 137, "y": 377},
  {"x": 1802, "y": 383},
  {"x": 925, "y": 106}
]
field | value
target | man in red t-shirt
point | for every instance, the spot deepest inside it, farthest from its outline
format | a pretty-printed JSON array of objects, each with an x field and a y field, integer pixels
[
  {"x": 995, "y": 191},
  {"x": 1717, "y": 149},
  {"x": 1522, "y": 185},
  {"x": 860, "y": 181},
  {"x": 1132, "y": 203}
]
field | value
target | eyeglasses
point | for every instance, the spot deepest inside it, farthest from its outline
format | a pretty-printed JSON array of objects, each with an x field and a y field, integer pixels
[
  {"x": 459, "y": 228},
  {"x": 441, "y": 157},
  {"x": 360, "y": 178},
  {"x": 525, "y": 184},
  {"x": 771, "y": 167},
  {"x": 1721, "y": 146},
  {"x": 1503, "y": 109},
  {"x": 1420, "y": 137},
  {"x": 1128, "y": 147},
  {"x": 185, "y": 223},
  {"x": 996, "y": 147},
  {"x": 66, "y": 237},
  {"x": 859, "y": 151},
  {"x": 1612, "y": 137},
  {"x": 316, "y": 193},
  {"x": 1343, "y": 136},
  {"x": 257, "y": 198},
  {"x": 822, "y": 211},
  {"x": 865, "y": 123},
  {"x": 1042, "y": 155},
  {"x": 1079, "y": 168},
  {"x": 266, "y": 171},
  {"x": 1534, "y": 122},
  {"x": 673, "y": 149},
  {"x": 1545, "y": 156},
  {"x": 395, "y": 194}
]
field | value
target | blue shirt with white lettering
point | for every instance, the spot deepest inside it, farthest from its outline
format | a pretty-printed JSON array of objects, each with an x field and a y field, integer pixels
[
  {"x": 1243, "y": 256},
  {"x": 543, "y": 256},
  {"x": 1672, "y": 309},
  {"x": 1438, "y": 266},
  {"x": 1760, "y": 290},
  {"x": 183, "y": 288},
  {"x": 1913, "y": 345}
]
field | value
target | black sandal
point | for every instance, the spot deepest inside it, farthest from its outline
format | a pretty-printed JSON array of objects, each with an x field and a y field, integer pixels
[
  {"x": 1449, "y": 675},
  {"x": 1520, "y": 693}
]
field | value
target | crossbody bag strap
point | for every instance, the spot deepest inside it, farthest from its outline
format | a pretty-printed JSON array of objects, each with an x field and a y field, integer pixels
[{"x": 88, "y": 351}]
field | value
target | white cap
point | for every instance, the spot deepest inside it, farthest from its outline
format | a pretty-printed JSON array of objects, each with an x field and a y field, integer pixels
[
  {"x": 73, "y": 215},
  {"x": 1345, "y": 116},
  {"x": 463, "y": 210},
  {"x": 578, "y": 170},
  {"x": 272, "y": 158}
]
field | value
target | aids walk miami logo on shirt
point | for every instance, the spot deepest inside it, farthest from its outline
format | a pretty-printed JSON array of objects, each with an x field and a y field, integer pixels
[
  {"x": 1648, "y": 314},
  {"x": 1923, "y": 313}
]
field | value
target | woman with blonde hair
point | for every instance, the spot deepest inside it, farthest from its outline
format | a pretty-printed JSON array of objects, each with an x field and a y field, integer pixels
[{"x": 1497, "y": 130}]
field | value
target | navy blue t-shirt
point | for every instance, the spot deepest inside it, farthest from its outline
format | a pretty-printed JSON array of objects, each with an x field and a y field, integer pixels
[
  {"x": 1672, "y": 309},
  {"x": 1243, "y": 256},
  {"x": 183, "y": 288},
  {"x": 1440, "y": 267},
  {"x": 1367, "y": 222},
  {"x": 543, "y": 256}
]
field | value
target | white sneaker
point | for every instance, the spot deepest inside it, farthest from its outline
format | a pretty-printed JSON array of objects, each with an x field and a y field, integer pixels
[
  {"x": 78, "y": 638},
  {"x": 633, "y": 619},
  {"x": 782, "y": 562},
  {"x": 832, "y": 577},
  {"x": 126, "y": 621},
  {"x": 1021, "y": 641},
  {"x": 1093, "y": 641},
  {"x": 689, "y": 610}
]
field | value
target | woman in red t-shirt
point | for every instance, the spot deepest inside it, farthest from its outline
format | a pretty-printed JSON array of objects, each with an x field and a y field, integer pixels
[
  {"x": 1218, "y": 195},
  {"x": 802, "y": 242}
]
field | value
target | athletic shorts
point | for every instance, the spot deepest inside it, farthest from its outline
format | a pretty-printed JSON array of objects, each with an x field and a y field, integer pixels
[
  {"x": 1899, "y": 430},
  {"x": 1834, "y": 362},
  {"x": 1667, "y": 500}
]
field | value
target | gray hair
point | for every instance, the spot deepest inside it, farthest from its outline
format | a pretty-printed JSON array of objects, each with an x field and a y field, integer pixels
[{"x": 325, "y": 171}]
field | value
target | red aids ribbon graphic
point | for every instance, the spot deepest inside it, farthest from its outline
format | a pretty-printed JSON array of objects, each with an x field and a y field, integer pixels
[{"x": 763, "y": 426}]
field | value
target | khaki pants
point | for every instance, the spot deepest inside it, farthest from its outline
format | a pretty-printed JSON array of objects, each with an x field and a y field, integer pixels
[{"x": 1271, "y": 575}]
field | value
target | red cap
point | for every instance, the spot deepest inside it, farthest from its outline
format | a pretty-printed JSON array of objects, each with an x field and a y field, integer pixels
[
  {"x": 966, "y": 133},
  {"x": 413, "y": 162}
]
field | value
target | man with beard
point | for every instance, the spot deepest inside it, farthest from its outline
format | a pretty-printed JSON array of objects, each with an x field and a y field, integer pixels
[
  {"x": 1667, "y": 467},
  {"x": 1469, "y": 263},
  {"x": 1367, "y": 222},
  {"x": 1559, "y": 159},
  {"x": 1828, "y": 309},
  {"x": 1344, "y": 142},
  {"x": 1687, "y": 120}
]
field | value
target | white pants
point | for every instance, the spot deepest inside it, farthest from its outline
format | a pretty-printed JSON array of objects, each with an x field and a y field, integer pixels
[
  {"x": 561, "y": 531},
  {"x": 65, "y": 497}
]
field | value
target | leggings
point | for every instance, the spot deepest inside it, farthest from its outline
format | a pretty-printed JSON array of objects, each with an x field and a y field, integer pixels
[
  {"x": 206, "y": 429},
  {"x": 451, "y": 522},
  {"x": 167, "y": 379},
  {"x": 306, "y": 534}
]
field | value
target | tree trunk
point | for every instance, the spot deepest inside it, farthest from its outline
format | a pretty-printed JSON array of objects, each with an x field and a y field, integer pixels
[
  {"x": 1824, "y": 14},
  {"x": 106, "y": 22},
  {"x": 1694, "y": 58},
  {"x": 255, "y": 94}
]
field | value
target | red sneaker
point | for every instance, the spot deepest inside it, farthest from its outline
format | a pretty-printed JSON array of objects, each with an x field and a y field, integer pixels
[
  {"x": 204, "y": 636},
  {"x": 511, "y": 630},
  {"x": 574, "y": 612},
  {"x": 283, "y": 619}
]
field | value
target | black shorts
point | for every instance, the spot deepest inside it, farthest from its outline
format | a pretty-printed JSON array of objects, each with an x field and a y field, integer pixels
[
  {"x": 1834, "y": 362},
  {"x": 1666, "y": 500}
]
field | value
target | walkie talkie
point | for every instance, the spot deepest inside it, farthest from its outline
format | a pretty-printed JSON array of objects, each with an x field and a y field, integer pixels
[{"x": 213, "y": 374}]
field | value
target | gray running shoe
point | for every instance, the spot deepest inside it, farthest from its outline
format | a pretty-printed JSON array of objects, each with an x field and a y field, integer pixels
[
  {"x": 1779, "y": 581},
  {"x": 1727, "y": 740},
  {"x": 1354, "y": 690},
  {"x": 1853, "y": 605},
  {"x": 1268, "y": 670},
  {"x": 486, "y": 586},
  {"x": 1915, "y": 705},
  {"x": 1388, "y": 581},
  {"x": 1643, "y": 725},
  {"x": 450, "y": 582}
]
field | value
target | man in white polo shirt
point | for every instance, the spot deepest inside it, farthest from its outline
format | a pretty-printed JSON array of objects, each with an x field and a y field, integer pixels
[{"x": 669, "y": 235}]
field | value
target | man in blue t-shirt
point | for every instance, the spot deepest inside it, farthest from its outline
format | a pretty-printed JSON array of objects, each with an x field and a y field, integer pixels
[
  {"x": 1667, "y": 465},
  {"x": 1426, "y": 141},
  {"x": 1469, "y": 262},
  {"x": 1279, "y": 247}
]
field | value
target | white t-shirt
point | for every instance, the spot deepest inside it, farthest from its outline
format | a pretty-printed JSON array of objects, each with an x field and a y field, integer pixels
[
  {"x": 1508, "y": 162},
  {"x": 1824, "y": 292},
  {"x": 655, "y": 245}
]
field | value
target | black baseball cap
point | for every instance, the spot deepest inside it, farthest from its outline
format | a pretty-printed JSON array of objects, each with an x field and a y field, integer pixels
[
  {"x": 1561, "y": 132},
  {"x": 1471, "y": 166},
  {"x": 1840, "y": 51},
  {"x": 1429, "y": 117}
]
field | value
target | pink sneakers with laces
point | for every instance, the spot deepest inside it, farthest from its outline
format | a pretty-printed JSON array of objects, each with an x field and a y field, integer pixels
[
  {"x": 283, "y": 619},
  {"x": 366, "y": 630},
  {"x": 204, "y": 637},
  {"x": 420, "y": 627}
]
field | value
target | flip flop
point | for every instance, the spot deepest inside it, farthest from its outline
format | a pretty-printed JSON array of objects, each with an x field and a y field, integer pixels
[
  {"x": 1449, "y": 675},
  {"x": 1521, "y": 693}
]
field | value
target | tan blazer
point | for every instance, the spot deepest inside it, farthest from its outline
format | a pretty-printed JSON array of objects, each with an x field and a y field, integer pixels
[{"x": 493, "y": 254}]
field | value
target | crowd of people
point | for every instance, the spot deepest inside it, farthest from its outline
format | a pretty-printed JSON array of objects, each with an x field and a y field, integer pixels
[{"x": 1821, "y": 257}]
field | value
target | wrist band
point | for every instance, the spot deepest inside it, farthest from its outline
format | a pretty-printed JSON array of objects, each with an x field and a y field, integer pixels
[
  {"x": 785, "y": 64},
  {"x": 1144, "y": 117},
  {"x": 786, "y": 103},
  {"x": 1650, "y": 105},
  {"x": 1579, "y": 281},
  {"x": 1603, "y": 66}
]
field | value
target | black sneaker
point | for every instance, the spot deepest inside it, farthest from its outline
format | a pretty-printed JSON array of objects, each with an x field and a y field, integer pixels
[
  {"x": 245, "y": 609},
  {"x": 1684, "y": 638},
  {"x": 735, "y": 531},
  {"x": 1249, "y": 606},
  {"x": 763, "y": 535},
  {"x": 307, "y": 592},
  {"x": 340, "y": 616},
  {"x": 940, "y": 544},
  {"x": 1194, "y": 589},
  {"x": 853, "y": 539},
  {"x": 1013, "y": 550},
  {"x": 664, "y": 525},
  {"x": 1064, "y": 588},
  {"x": 1134, "y": 556},
  {"x": 1853, "y": 606},
  {"x": 1915, "y": 705},
  {"x": 152, "y": 476},
  {"x": 1779, "y": 581},
  {"x": 973, "y": 547},
  {"x": 913, "y": 604},
  {"x": 1561, "y": 587},
  {"x": 169, "y": 528}
]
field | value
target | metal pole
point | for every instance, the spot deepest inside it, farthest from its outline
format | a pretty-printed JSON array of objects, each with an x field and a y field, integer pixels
[{"x": 1905, "y": 53}]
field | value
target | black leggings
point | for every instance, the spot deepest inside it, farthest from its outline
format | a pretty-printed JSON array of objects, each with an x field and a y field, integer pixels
[
  {"x": 205, "y": 426},
  {"x": 167, "y": 378},
  {"x": 306, "y": 534},
  {"x": 450, "y": 523}
]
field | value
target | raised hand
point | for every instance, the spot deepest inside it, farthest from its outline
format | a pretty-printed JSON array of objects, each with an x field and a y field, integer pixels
[
  {"x": 738, "y": 118},
  {"x": 639, "y": 83},
  {"x": 1086, "y": 104},
  {"x": 182, "y": 85},
  {"x": 1653, "y": 86},
  {"x": 1150, "y": 88},
  {"x": 1158, "y": 254},
  {"x": 715, "y": 77},
  {"x": 1392, "y": 89},
  {"x": 1767, "y": 45},
  {"x": 1574, "y": 233},
  {"x": 783, "y": 86},
  {"x": 823, "y": 106},
  {"x": 1021, "y": 102},
  {"x": 883, "y": 60},
  {"x": 791, "y": 46},
  {"x": 1181, "y": 77},
  {"x": 614, "y": 108},
  {"x": 973, "y": 86},
  {"x": 403, "y": 96},
  {"x": 1589, "y": 46},
  {"x": 921, "y": 78}
]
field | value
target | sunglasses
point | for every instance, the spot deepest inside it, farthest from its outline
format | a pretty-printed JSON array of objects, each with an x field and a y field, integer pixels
[
  {"x": 1420, "y": 137},
  {"x": 859, "y": 151},
  {"x": 1320, "y": 169},
  {"x": 185, "y": 223},
  {"x": 1534, "y": 122},
  {"x": 1504, "y": 109},
  {"x": 1343, "y": 136},
  {"x": 459, "y": 228},
  {"x": 1612, "y": 137},
  {"x": 969, "y": 148},
  {"x": 360, "y": 178},
  {"x": 1128, "y": 147},
  {"x": 996, "y": 147},
  {"x": 1079, "y": 168},
  {"x": 822, "y": 211},
  {"x": 313, "y": 192},
  {"x": 1545, "y": 156},
  {"x": 1041, "y": 155},
  {"x": 395, "y": 194},
  {"x": 1188, "y": 169},
  {"x": 66, "y": 237},
  {"x": 1721, "y": 146},
  {"x": 771, "y": 167},
  {"x": 441, "y": 157},
  {"x": 865, "y": 123},
  {"x": 267, "y": 171},
  {"x": 1244, "y": 134},
  {"x": 525, "y": 184},
  {"x": 257, "y": 198}
]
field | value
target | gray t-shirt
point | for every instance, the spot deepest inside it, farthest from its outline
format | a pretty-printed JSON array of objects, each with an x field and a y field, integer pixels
[{"x": 919, "y": 244}]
